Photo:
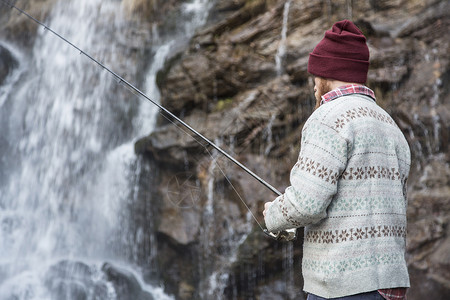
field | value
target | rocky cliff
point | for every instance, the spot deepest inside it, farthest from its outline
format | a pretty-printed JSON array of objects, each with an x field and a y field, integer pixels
[{"x": 242, "y": 82}]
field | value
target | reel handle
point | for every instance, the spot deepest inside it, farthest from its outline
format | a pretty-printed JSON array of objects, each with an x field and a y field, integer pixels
[{"x": 283, "y": 235}]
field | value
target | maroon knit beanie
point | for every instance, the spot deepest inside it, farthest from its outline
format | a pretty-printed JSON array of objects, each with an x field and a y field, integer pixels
[{"x": 342, "y": 54}]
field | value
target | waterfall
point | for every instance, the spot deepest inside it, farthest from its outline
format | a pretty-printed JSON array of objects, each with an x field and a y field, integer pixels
[
  {"x": 350, "y": 9},
  {"x": 268, "y": 135},
  {"x": 281, "y": 51},
  {"x": 71, "y": 171}
]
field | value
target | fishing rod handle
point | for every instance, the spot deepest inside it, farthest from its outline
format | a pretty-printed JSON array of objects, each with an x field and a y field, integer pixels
[{"x": 283, "y": 235}]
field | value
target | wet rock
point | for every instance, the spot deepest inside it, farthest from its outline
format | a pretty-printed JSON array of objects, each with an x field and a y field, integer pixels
[
  {"x": 78, "y": 281},
  {"x": 424, "y": 286},
  {"x": 181, "y": 218},
  {"x": 74, "y": 280},
  {"x": 227, "y": 5},
  {"x": 18, "y": 27},
  {"x": 69, "y": 290},
  {"x": 427, "y": 24},
  {"x": 243, "y": 11},
  {"x": 125, "y": 283},
  {"x": 186, "y": 291},
  {"x": 7, "y": 63},
  {"x": 226, "y": 85},
  {"x": 155, "y": 11}
]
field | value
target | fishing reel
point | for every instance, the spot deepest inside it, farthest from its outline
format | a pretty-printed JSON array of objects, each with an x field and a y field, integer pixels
[{"x": 283, "y": 235}]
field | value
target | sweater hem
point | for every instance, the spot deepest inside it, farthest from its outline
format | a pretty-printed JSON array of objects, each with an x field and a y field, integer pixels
[{"x": 358, "y": 282}]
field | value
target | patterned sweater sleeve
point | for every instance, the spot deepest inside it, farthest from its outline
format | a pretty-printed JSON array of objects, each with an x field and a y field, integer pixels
[{"x": 313, "y": 179}]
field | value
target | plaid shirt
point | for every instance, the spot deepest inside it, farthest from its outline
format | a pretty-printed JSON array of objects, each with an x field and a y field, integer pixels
[
  {"x": 393, "y": 294},
  {"x": 388, "y": 294},
  {"x": 347, "y": 90}
]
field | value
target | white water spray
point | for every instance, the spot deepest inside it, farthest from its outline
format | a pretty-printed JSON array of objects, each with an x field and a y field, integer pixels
[
  {"x": 281, "y": 51},
  {"x": 72, "y": 158}
]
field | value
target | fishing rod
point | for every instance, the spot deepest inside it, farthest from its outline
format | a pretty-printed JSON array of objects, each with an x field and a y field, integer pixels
[{"x": 287, "y": 235}]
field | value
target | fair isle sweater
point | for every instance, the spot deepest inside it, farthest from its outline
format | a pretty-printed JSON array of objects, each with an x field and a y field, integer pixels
[{"x": 348, "y": 189}]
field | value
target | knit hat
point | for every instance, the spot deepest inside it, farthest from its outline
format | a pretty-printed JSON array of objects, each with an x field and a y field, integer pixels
[{"x": 342, "y": 54}]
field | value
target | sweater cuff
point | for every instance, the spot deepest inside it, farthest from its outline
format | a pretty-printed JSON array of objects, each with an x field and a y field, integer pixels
[{"x": 274, "y": 219}]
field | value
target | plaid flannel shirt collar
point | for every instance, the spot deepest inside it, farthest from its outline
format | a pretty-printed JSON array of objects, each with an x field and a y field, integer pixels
[{"x": 347, "y": 90}]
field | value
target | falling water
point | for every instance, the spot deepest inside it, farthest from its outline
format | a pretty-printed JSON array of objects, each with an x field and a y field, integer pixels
[
  {"x": 350, "y": 9},
  {"x": 281, "y": 52},
  {"x": 216, "y": 267},
  {"x": 425, "y": 133},
  {"x": 72, "y": 168},
  {"x": 65, "y": 189},
  {"x": 288, "y": 267},
  {"x": 268, "y": 136},
  {"x": 434, "y": 114}
]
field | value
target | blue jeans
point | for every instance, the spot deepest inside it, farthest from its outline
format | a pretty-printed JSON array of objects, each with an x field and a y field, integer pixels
[{"x": 364, "y": 296}]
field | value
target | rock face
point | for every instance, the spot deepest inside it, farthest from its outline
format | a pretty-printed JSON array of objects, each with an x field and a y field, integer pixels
[
  {"x": 125, "y": 283},
  {"x": 243, "y": 84},
  {"x": 18, "y": 27}
]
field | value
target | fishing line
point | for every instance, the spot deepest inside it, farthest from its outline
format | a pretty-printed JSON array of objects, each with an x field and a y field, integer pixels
[
  {"x": 282, "y": 235},
  {"x": 212, "y": 157},
  {"x": 214, "y": 160}
]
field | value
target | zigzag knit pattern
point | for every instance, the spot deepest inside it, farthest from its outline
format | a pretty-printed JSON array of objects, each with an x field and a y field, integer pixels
[{"x": 348, "y": 189}]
